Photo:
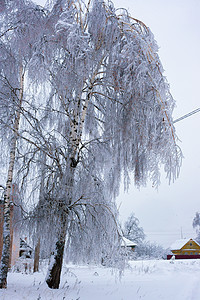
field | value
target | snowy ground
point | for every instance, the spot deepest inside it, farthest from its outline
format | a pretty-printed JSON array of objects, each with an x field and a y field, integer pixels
[{"x": 149, "y": 280}]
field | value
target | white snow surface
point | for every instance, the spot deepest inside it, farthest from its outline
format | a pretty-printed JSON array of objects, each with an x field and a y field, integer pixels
[{"x": 148, "y": 280}]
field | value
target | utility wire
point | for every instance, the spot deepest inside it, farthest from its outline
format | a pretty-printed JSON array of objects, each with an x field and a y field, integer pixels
[{"x": 187, "y": 115}]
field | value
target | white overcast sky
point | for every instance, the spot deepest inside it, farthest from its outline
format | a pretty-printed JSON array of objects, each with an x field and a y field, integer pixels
[{"x": 176, "y": 27}]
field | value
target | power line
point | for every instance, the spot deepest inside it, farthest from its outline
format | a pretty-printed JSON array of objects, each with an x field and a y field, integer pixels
[
  {"x": 187, "y": 115},
  {"x": 173, "y": 233}
]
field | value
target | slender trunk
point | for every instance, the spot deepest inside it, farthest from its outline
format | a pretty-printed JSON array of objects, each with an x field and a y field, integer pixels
[
  {"x": 38, "y": 229},
  {"x": 36, "y": 256},
  {"x": 5, "y": 258}
]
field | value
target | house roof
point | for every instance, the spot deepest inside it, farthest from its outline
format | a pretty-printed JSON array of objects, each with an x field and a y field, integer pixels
[
  {"x": 128, "y": 243},
  {"x": 177, "y": 245}
]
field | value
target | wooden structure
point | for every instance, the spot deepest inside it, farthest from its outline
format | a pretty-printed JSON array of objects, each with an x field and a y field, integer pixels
[
  {"x": 185, "y": 249},
  {"x": 128, "y": 244}
]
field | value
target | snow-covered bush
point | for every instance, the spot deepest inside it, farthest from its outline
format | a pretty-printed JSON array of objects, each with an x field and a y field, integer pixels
[{"x": 149, "y": 250}]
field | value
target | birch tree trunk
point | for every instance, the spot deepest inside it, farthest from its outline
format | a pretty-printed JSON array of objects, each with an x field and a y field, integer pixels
[
  {"x": 5, "y": 258},
  {"x": 56, "y": 259},
  {"x": 77, "y": 124}
]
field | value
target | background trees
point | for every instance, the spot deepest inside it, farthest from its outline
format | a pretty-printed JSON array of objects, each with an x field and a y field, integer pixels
[
  {"x": 144, "y": 249},
  {"x": 196, "y": 224},
  {"x": 97, "y": 107},
  {"x": 132, "y": 230}
]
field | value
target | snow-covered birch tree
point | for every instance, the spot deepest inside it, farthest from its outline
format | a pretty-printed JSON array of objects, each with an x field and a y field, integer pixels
[
  {"x": 15, "y": 93},
  {"x": 17, "y": 33},
  {"x": 107, "y": 112},
  {"x": 108, "y": 88}
]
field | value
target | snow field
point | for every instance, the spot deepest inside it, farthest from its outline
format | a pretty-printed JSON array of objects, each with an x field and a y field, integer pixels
[{"x": 149, "y": 280}]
